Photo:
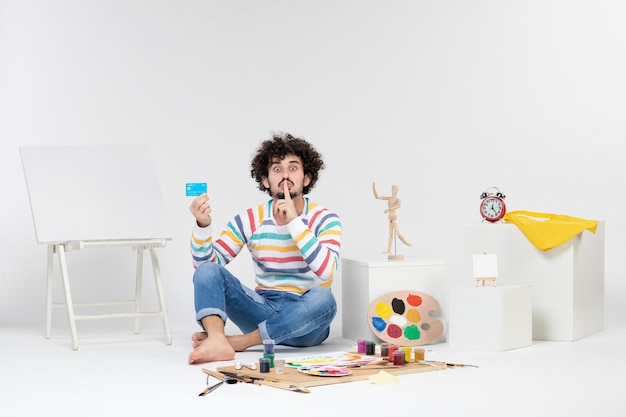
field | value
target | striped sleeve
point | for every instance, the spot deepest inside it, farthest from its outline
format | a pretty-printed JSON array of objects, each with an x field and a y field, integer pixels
[
  {"x": 229, "y": 243},
  {"x": 319, "y": 241}
]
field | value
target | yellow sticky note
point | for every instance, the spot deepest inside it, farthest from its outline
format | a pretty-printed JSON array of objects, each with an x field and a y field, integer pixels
[{"x": 383, "y": 378}]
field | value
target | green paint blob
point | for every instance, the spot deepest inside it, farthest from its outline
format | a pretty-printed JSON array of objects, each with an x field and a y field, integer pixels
[{"x": 412, "y": 332}]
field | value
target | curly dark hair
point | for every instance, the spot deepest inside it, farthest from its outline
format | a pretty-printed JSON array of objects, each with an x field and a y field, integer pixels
[{"x": 279, "y": 146}]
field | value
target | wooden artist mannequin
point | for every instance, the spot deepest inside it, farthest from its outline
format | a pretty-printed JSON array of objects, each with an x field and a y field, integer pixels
[{"x": 393, "y": 203}]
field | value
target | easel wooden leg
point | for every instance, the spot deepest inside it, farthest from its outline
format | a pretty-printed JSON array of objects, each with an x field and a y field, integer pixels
[
  {"x": 482, "y": 280},
  {"x": 137, "y": 314},
  {"x": 68, "y": 295},
  {"x": 138, "y": 283},
  {"x": 159, "y": 287},
  {"x": 49, "y": 275}
]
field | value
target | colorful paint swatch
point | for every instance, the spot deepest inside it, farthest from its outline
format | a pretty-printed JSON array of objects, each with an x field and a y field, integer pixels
[{"x": 405, "y": 318}]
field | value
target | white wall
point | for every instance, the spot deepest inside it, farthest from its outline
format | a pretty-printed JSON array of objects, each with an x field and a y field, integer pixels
[{"x": 443, "y": 98}]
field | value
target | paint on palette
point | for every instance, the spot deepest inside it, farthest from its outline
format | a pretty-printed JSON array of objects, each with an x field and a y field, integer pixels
[{"x": 405, "y": 317}]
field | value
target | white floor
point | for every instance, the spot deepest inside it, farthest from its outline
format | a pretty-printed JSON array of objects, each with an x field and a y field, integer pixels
[{"x": 119, "y": 374}]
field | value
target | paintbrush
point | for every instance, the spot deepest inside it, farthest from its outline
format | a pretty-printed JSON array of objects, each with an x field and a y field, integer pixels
[
  {"x": 449, "y": 365},
  {"x": 262, "y": 381},
  {"x": 460, "y": 365}
]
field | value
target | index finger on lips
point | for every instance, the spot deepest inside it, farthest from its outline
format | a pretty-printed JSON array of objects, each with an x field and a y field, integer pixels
[{"x": 286, "y": 190}]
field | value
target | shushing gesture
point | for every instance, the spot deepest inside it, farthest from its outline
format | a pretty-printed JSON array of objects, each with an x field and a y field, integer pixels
[
  {"x": 201, "y": 210},
  {"x": 285, "y": 209}
]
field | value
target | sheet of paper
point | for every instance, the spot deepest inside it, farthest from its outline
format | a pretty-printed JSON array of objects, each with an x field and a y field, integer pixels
[
  {"x": 485, "y": 265},
  {"x": 383, "y": 378}
]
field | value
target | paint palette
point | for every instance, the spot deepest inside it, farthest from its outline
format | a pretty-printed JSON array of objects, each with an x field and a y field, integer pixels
[
  {"x": 325, "y": 370},
  {"x": 405, "y": 318},
  {"x": 340, "y": 359}
]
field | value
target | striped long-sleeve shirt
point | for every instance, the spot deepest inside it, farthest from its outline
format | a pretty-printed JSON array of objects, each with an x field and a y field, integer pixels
[{"x": 294, "y": 257}]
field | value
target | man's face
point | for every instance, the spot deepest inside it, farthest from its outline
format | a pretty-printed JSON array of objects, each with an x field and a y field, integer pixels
[{"x": 288, "y": 169}]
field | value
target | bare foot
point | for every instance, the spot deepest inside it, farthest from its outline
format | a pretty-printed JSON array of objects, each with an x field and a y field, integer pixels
[
  {"x": 197, "y": 338},
  {"x": 237, "y": 343},
  {"x": 209, "y": 350},
  {"x": 240, "y": 342}
]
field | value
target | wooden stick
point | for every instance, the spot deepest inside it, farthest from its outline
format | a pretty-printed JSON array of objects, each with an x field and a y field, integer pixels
[
  {"x": 215, "y": 374},
  {"x": 281, "y": 385}
]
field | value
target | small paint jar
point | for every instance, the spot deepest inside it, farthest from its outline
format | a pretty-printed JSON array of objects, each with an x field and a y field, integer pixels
[
  {"x": 279, "y": 366},
  {"x": 269, "y": 356},
  {"x": 384, "y": 350},
  {"x": 418, "y": 353},
  {"x": 392, "y": 349},
  {"x": 268, "y": 346},
  {"x": 370, "y": 347},
  {"x": 360, "y": 345},
  {"x": 264, "y": 365},
  {"x": 398, "y": 357},
  {"x": 408, "y": 353}
]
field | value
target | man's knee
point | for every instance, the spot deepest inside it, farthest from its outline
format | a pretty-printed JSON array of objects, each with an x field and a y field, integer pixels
[{"x": 206, "y": 272}]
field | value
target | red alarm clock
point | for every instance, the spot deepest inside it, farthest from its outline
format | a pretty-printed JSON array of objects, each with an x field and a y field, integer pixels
[{"x": 492, "y": 206}]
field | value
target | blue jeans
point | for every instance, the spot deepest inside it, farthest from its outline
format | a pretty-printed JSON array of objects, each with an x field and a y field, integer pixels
[{"x": 287, "y": 318}]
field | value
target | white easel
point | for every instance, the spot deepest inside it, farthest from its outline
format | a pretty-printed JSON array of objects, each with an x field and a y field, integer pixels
[
  {"x": 485, "y": 268},
  {"x": 97, "y": 196}
]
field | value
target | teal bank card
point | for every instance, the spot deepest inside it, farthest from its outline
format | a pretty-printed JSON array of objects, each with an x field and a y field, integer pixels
[{"x": 194, "y": 189}]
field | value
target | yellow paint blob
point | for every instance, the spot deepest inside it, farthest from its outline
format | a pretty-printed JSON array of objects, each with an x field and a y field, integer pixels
[{"x": 383, "y": 310}]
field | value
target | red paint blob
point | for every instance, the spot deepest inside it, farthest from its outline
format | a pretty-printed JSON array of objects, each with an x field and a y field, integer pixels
[
  {"x": 414, "y": 300},
  {"x": 394, "y": 331}
]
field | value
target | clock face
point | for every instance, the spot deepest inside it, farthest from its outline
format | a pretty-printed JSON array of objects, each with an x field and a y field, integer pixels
[{"x": 492, "y": 209}]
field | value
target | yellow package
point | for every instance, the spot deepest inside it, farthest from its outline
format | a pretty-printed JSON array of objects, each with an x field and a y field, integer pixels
[{"x": 547, "y": 231}]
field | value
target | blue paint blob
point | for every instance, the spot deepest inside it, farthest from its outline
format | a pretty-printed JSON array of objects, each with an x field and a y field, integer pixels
[{"x": 378, "y": 323}]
